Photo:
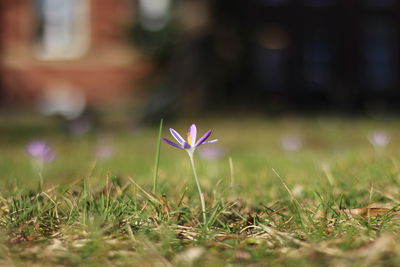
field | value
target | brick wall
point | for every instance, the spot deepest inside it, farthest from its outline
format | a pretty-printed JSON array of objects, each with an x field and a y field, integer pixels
[{"x": 107, "y": 72}]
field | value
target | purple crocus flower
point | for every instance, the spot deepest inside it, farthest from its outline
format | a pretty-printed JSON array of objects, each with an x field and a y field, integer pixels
[
  {"x": 80, "y": 126},
  {"x": 291, "y": 142},
  {"x": 190, "y": 144},
  {"x": 211, "y": 152},
  {"x": 104, "y": 152},
  {"x": 379, "y": 138},
  {"x": 40, "y": 151}
]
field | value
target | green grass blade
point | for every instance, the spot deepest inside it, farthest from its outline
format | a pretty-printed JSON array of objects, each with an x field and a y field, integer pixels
[{"x": 157, "y": 160}]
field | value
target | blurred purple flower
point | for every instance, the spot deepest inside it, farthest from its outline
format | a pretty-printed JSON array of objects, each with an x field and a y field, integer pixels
[
  {"x": 40, "y": 151},
  {"x": 104, "y": 152},
  {"x": 379, "y": 138},
  {"x": 80, "y": 126},
  {"x": 190, "y": 144},
  {"x": 211, "y": 152},
  {"x": 291, "y": 142}
]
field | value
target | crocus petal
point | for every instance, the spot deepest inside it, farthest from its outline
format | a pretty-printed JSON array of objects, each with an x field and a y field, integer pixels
[
  {"x": 40, "y": 150},
  {"x": 203, "y": 138},
  {"x": 171, "y": 143},
  {"x": 177, "y": 136},
  {"x": 192, "y": 134},
  {"x": 186, "y": 145},
  {"x": 211, "y": 141},
  {"x": 37, "y": 148},
  {"x": 49, "y": 157}
]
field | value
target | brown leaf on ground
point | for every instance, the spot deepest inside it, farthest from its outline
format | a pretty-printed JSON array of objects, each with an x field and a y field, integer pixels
[
  {"x": 372, "y": 210},
  {"x": 21, "y": 239},
  {"x": 241, "y": 255},
  {"x": 366, "y": 212},
  {"x": 189, "y": 255}
]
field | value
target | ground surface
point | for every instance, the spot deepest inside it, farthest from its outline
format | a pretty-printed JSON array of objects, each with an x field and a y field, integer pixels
[{"x": 326, "y": 196}]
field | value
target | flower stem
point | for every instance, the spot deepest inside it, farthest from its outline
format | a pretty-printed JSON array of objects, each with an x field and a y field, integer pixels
[
  {"x": 38, "y": 167},
  {"x": 41, "y": 182},
  {"x": 203, "y": 205},
  {"x": 157, "y": 160}
]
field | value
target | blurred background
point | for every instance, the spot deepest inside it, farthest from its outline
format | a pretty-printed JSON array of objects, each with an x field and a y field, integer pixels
[
  {"x": 148, "y": 59},
  {"x": 286, "y": 84}
]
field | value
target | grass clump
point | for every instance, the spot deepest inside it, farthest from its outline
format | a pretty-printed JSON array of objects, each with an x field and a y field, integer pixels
[{"x": 333, "y": 200}]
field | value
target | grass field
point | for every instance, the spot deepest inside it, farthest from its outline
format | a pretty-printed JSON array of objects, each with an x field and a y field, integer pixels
[{"x": 326, "y": 197}]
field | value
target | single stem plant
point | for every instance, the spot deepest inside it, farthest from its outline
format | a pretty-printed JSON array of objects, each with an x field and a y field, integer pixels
[
  {"x": 157, "y": 160},
  {"x": 190, "y": 145}
]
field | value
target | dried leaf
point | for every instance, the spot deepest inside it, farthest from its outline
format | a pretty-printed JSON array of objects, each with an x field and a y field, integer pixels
[
  {"x": 366, "y": 212},
  {"x": 372, "y": 210},
  {"x": 190, "y": 255},
  {"x": 241, "y": 254}
]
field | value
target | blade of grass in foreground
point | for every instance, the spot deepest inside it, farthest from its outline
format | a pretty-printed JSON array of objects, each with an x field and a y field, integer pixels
[{"x": 157, "y": 160}]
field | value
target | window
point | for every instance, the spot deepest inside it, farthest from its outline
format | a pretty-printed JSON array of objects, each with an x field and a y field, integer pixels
[
  {"x": 380, "y": 3},
  {"x": 63, "y": 29},
  {"x": 380, "y": 45},
  {"x": 319, "y": 3},
  {"x": 274, "y": 2}
]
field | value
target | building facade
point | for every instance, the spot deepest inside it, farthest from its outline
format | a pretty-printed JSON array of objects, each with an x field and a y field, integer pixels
[{"x": 58, "y": 45}]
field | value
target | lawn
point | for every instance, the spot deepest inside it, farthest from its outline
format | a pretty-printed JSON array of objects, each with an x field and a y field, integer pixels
[{"x": 286, "y": 192}]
